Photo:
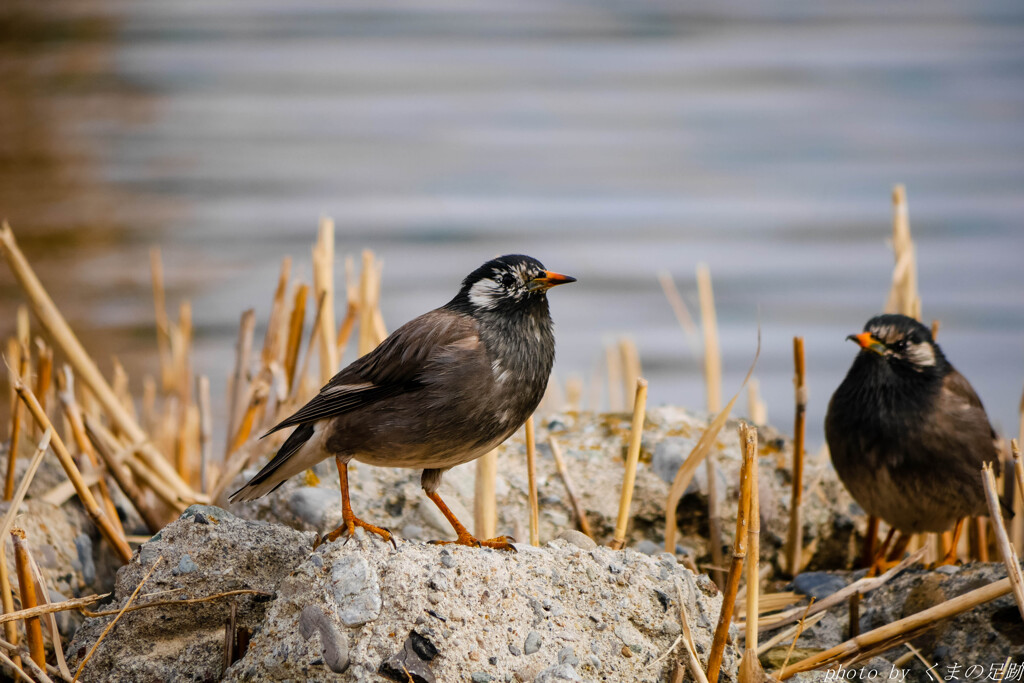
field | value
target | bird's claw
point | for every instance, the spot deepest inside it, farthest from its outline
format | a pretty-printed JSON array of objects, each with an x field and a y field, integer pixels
[{"x": 499, "y": 543}]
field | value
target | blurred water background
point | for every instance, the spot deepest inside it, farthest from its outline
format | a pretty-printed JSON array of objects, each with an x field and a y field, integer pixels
[{"x": 612, "y": 140}]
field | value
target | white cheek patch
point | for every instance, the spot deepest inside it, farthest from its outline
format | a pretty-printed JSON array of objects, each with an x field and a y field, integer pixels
[
  {"x": 485, "y": 294},
  {"x": 922, "y": 355}
]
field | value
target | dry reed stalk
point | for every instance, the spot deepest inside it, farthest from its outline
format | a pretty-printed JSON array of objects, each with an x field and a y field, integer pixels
[
  {"x": 50, "y": 608},
  {"x": 7, "y": 600},
  {"x": 614, "y": 361},
  {"x": 44, "y": 372},
  {"x": 692, "y": 661},
  {"x": 570, "y": 489},
  {"x": 686, "y": 471},
  {"x": 12, "y": 446},
  {"x": 351, "y": 305},
  {"x": 893, "y": 634},
  {"x": 33, "y": 627},
  {"x": 1018, "y": 473},
  {"x": 10, "y": 627},
  {"x": 119, "y": 385},
  {"x": 258, "y": 393},
  {"x": 757, "y": 410},
  {"x": 127, "y": 485},
  {"x": 239, "y": 383},
  {"x": 301, "y": 377},
  {"x": 205, "y": 431},
  {"x": 183, "y": 356},
  {"x": 95, "y": 513},
  {"x": 379, "y": 328},
  {"x": 574, "y": 393},
  {"x": 714, "y": 522},
  {"x": 73, "y": 414},
  {"x": 531, "y": 472},
  {"x": 272, "y": 342},
  {"x": 795, "y": 540},
  {"x": 709, "y": 327},
  {"x": 163, "y": 339},
  {"x": 43, "y": 595},
  {"x": 40, "y": 673},
  {"x": 936, "y": 325},
  {"x": 166, "y": 603},
  {"x": 636, "y": 432},
  {"x": 295, "y": 323},
  {"x": 53, "y": 322},
  {"x": 88, "y": 656},
  {"x": 148, "y": 403},
  {"x": 16, "y": 665},
  {"x": 861, "y": 586},
  {"x": 750, "y": 667},
  {"x": 1013, "y": 571},
  {"x": 682, "y": 313},
  {"x": 631, "y": 371},
  {"x": 65, "y": 491},
  {"x": 323, "y": 285},
  {"x": 739, "y": 553},
  {"x": 903, "y": 295},
  {"x": 485, "y": 506},
  {"x": 791, "y": 632},
  {"x": 796, "y": 636}
]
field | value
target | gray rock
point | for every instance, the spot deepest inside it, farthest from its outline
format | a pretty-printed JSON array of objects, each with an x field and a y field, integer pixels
[
  {"x": 83, "y": 545},
  {"x": 818, "y": 585},
  {"x": 532, "y": 643},
  {"x": 335, "y": 645},
  {"x": 647, "y": 547},
  {"x": 567, "y": 656},
  {"x": 577, "y": 538},
  {"x": 185, "y": 566},
  {"x": 669, "y": 455},
  {"x": 356, "y": 590},
  {"x": 313, "y": 504},
  {"x": 560, "y": 672},
  {"x": 514, "y": 650},
  {"x": 481, "y": 677}
]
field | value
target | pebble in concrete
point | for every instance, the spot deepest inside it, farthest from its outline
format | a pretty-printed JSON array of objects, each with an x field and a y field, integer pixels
[
  {"x": 335, "y": 645},
  {"x": 532, "y": 643},
  {"x": 356, "y": 590}
]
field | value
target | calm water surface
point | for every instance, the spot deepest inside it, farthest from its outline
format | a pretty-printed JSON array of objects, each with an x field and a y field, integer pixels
[{"x": 610, "y": 140}]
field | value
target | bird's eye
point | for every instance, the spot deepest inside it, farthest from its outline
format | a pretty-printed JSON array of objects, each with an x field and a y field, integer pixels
[
  {"x": 507, "y": 280},
  {"x": 900, "y": 346}
]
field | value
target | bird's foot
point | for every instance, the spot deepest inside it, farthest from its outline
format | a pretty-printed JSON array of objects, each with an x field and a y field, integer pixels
[
  {"x": 949, "y": 559},
  {"x": 499, "y": 543},
  {"x": 349, "y": 527}
]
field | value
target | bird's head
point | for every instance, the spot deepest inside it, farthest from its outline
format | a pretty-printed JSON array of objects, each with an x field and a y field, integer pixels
[
  {"x": 902, "y": 342},
  {"x": 507, "y": 283}
]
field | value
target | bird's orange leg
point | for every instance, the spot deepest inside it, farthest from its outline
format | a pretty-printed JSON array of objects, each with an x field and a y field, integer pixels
[
  {"x": 349, "y": 520},
  {"x": 950, "y": 557},
  {"x": 871, "y": 542},
  {"x": 885, "y": 561},
  {"x": 464, "y": 537}
]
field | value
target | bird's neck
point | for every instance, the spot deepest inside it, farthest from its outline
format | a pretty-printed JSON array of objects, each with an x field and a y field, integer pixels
[{"x": 900, "y": 395}]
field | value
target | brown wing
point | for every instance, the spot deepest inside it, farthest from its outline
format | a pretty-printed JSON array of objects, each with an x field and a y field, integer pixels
[
  {"x": 394, "y": 367},
  {"x": 961, "y": 405}
]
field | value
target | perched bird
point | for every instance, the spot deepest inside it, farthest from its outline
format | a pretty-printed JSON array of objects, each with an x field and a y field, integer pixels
[
  {"x": 442, "y": 390},
  {"x": 907, "y": 433}
]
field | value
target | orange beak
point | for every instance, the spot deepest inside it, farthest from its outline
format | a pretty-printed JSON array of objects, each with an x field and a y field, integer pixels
[
  {"x": 866, "y": 341},
  {"x": 549, "y": 280}
]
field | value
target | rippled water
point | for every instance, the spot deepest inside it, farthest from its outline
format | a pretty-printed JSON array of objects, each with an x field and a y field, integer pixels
[{"x": 610, "y": 140}]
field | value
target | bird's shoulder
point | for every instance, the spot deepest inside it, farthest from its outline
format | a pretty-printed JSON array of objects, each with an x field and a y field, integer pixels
[{"x": 956, "y": 390}]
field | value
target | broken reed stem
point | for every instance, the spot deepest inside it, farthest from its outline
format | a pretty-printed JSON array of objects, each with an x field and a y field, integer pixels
[
  {"x": 88, "y": 656},
  {"x": 33, "y": 627},
  {"x": 614, "y": 361},
  {"x": 44, "y": 373},
  {"x": 16, "y": 665},
  {"x": 570, "y": 489},
  {"x": 7, "y": 599},
  {"x": 1018, "y": 472},
  {"x": 903, "y": 294},
  {"x": 1005, "y": 547},
  {"x": 682, "y": 313},
  {"x": 531, "y": 471},
  {"x": 73, "y": 414},
  {"x": 12, "y": 447},
  {"x": 84, "y": 494},
  {"x": 739, "y": 553},
  {"x": 709, "y": 327},
  {"x": 323, "y": 285},
  {"x": 61, "y": 334},
  {"x": 691, "y": 651},
  {"x": 313, "y": 338},
  {"x": 756, "y": 408},
  {"x": 631, "y": 371},
  {"x": 51, "y": 608},
  {"x": 794, "y": 540},
  {"x": 796, "y": 636},
  {"x": 485, "y": 505},
  {"x": 636, "y": 432},
  {"x": 714, "y": 522},
  {"x": 205, "y": 431},
  {"x": 26, "y": 480},
  {"x": 127, "y": 485},
  {"x": 239, "y": 385},
  {"x": 165, "y": 603},
  {"x": 885, "y": 637},
  {"x": 163, "y": 340},
  {"x": 295, "y": 323},
  {"x": 272, "y": 339},
  {"x": 750, "y": 667}
]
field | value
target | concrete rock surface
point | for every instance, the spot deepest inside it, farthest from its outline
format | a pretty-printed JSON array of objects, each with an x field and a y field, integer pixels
[
  {"x": 594, "y": 447},
  {"x": 362, "y": 610}
]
